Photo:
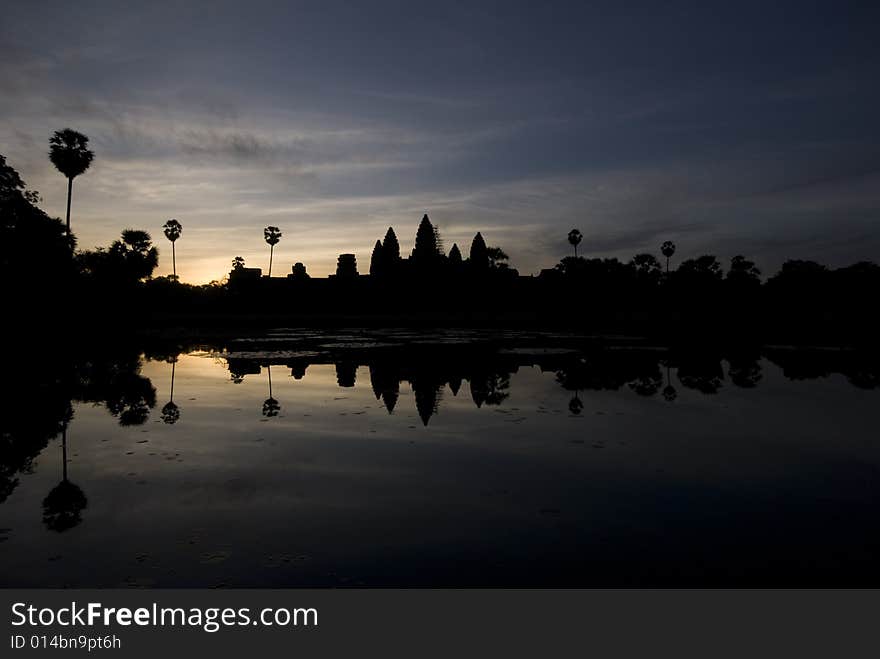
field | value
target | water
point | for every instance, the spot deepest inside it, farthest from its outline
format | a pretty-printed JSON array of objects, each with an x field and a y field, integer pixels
[{"x": 579, "y": 466}]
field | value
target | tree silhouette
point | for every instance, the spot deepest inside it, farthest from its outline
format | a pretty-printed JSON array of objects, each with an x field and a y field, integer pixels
[
  {"x": 121, "y": 266},
  {"x": 574, "y": 239},
  {"x": 173, "y": 229},
  {"x": 667, "y": 249},
  {"x": 271, "y": 407},
  {"x": 702, "y": 372},
  {"x": 23, "y": 226},
  {"x": 647, "y": 268},
  {"x": 743, "y": 273},
  {"x": 800, "y": 282},
  {"x": 272, "y": 236},
  {"x": 703, "y": 269},
  {"x": 489, "y": 387},
  {"x": 238, "y": 263},
  {"x": 497, "y": 257},
  {"x": 130, "y": 398},
  {"x": 171, "y": 412},
  {"x": 10, "y": 180},
  {"x": 137, "y": 253},
  {"x": 647, "y": 384},
  {"x": 69, "y": 152},
  {"x": 744, "y": 371},
  {"x": 63, "y": 506},
  {"x": 669, "y": 392}
]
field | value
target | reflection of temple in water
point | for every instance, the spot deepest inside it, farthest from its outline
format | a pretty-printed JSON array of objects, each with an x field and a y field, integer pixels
[
  {"x": 38, "y": 410},
  {"x": 385, "y": 380},
  {"x": 644, "y": 372},
  {"x": 238, "y": 368},
  {"x": 346, "y": 373}
]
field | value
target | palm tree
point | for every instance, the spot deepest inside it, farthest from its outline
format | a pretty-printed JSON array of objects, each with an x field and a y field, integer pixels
[
  {"x": 69, "y": 152},
  {"x": 669, "y": 393},
  {"x": 173, "y": 229},
  {"x": 171, "y": 412},
  {"x": 271, "y": 407},
  {"x": 574, "y": 239},
  {"x": 667, "y": 249},
  {"x": 63, "y": 506},
  {"x": 272, "y": 235}
]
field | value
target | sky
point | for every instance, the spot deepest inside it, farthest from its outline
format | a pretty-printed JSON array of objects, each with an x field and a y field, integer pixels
[{"x": 726, "y": 127}]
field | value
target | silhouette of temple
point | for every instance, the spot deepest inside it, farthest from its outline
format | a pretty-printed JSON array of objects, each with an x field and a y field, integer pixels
[
  {"x": 346, "y": 266},
  {"x": 805, "y": 302}
]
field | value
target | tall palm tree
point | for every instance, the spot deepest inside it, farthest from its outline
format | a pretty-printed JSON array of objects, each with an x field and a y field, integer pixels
[
  {"x": 667, "y": 249},
  {"x": 272, "y": 235},
  {"x": 173, "y": 229},
  {"x": 574, "y": 239},
  {"x": 69, "y": 152}
]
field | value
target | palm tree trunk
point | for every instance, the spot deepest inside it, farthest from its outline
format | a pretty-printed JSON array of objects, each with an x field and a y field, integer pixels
[
  {"x": 269, "y": 369},
  {"x": 69, "y": 194},
  {"x": 667, "y": 265},
  {"x": 64, "y": 451},
  {"x": 173, "y": 364},
  {"x": 173, "y": 261},
  {"x": 271, "y": 252}
]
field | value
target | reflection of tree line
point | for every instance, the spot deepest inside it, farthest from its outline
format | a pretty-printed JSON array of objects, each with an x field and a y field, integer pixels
[
  {"x": 646, "y": 373},
  {"x": 40, "y": 407}
]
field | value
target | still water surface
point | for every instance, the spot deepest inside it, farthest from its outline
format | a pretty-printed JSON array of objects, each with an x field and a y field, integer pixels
[{"x": 502, "y": 466}]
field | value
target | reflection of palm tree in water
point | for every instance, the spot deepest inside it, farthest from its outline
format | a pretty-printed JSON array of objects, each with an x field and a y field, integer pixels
[
  {"x": 271, "y": 407},
  {"x": 171, "y": 413},
  {"x": 63, "y": 506},
  {"x": 669, "y": 392},
  {"x": 576, "y": 405}
]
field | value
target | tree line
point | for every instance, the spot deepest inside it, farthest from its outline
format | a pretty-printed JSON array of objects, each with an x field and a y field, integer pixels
[{"x": 586, "y": 290}]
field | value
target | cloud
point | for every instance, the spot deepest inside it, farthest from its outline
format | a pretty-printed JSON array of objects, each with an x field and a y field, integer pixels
[{"x": 336, "y": 123}]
